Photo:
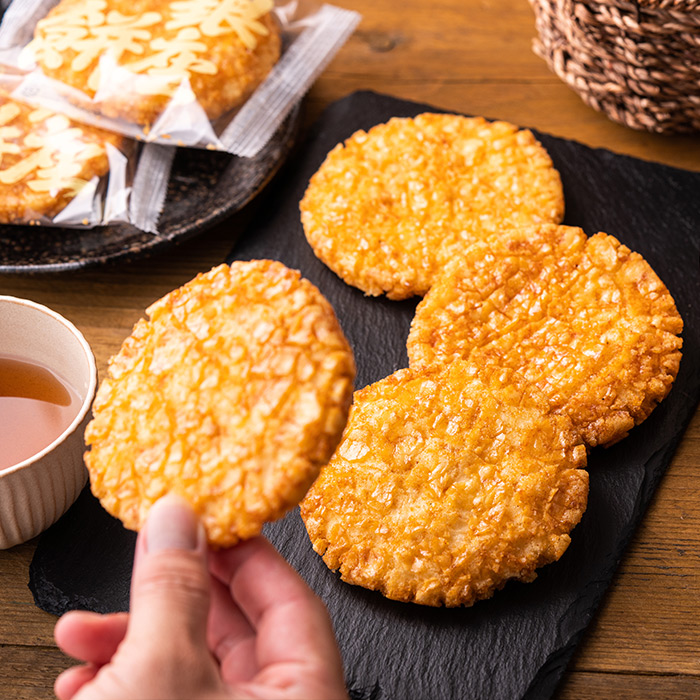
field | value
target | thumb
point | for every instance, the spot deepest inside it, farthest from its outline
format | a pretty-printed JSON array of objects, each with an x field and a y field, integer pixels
[{"x": 170, "y": 582}]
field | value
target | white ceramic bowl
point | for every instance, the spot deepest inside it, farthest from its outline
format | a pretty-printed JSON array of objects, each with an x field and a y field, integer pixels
[{"x": 34, "y": 493}]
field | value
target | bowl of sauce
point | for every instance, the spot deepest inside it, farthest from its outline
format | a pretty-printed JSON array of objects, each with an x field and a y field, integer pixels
[{"x": 48, "y": 380}]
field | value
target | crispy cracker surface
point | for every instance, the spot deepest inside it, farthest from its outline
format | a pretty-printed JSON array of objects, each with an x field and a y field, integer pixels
[
  {"x": 45, "y": 160},
  {"x": 134, "y": 57},
  {"x": 586, "y": 320},
  {"x": 448, "y": 482},
  {"x": 389, "y": 207},
  {"x": 232, "y": 394}
]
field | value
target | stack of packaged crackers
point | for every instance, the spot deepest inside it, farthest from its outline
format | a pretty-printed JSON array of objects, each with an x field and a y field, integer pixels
[{"x": 95, "y": 95}]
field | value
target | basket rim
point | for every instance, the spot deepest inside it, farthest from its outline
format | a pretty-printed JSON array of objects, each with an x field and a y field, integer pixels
[{"x": 674, "y": 8}]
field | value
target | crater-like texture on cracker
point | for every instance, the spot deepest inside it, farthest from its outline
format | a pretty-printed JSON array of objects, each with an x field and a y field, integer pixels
[
  {"x": 46, "y": 160},
  {"x": 133, "y": 57},
  {"x": 448, "y": 483},
  {"x": 389, "y": 207},
  {"x": 587, "y": 321},
  {"x": 232, "y": 394}
]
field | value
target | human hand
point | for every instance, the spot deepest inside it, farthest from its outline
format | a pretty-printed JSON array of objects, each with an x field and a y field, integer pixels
[{"x": 246, "y": 626}]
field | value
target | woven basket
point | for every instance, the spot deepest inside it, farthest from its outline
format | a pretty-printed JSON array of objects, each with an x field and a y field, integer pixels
[{"x": 638, "y": 61}]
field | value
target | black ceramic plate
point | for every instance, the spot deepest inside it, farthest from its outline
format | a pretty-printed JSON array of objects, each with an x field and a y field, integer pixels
[{"x": 205, "y": 187}]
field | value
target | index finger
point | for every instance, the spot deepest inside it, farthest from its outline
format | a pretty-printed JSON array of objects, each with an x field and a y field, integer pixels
[{"x": 292, "y": 623}]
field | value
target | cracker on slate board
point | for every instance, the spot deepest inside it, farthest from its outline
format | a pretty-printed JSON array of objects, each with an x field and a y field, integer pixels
[{"x": 517, "y": 644}]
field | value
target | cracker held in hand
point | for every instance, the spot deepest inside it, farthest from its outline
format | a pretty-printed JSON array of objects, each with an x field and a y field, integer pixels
[
  {"x": 232, "y": 394},
  {"x": 448, "y": 483},
  {"x": 133, "y": 58},
  {"x": 585, "y": 320},
  {"x": 45, "y": 160},
  {"x": 389, "y": 207}
]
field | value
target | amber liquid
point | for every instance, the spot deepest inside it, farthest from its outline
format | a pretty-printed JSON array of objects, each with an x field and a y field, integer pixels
[{"x": 36, "y": 406}]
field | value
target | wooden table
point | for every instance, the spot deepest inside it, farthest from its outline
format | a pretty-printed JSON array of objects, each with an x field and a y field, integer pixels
[{"x": 472, "y": 56}]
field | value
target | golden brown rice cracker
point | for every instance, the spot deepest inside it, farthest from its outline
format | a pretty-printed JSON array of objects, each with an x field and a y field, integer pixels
[
  {"x": 132, "y": 57},
  {"x": 585, "y": 320},
  {"x": 232, "y": 394},
  {"x": 45, "y": 160},
  {"x": 448, "y": 482},
  {"x": 389, "y": 207}
]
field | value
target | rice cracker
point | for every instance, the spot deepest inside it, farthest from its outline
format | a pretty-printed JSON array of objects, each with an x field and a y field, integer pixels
[
  {"x": 585, "y": 320},
  {"x": 45, "y": 160},
  {"x": 232, "y": 394},
  {"x": 132, "y": 57},
  {"x": 389, "y": 207},
  {"x": 449, "y": 482}
]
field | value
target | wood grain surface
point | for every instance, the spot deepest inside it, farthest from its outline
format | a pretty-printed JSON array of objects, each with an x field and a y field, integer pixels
[{"x": 471, "y": 56}]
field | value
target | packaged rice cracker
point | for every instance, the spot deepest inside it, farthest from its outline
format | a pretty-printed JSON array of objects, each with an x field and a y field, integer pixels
[
  {"x": 219, "y": 74},
  {"x": 56, "y": 171}
]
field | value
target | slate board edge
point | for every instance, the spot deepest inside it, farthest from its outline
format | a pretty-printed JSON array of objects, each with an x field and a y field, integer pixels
[
  {"x": 550, "y": 674},
  {"x": 362, "y": 94}
]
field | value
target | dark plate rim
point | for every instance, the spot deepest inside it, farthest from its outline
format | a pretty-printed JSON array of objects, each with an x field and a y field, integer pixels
[{"x": 269, "y": 160}]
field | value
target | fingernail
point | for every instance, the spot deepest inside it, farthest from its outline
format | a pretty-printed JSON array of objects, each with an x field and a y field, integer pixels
[{"x": 172, "y": 524}]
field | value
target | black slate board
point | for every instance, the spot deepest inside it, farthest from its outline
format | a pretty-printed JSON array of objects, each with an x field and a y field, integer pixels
[{"x": 517, "y": 644}]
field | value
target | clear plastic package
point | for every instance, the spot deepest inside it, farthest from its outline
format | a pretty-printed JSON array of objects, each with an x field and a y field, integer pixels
[
  {"x": 218, "y": 74},
  {"x": 55, "y": 171}
]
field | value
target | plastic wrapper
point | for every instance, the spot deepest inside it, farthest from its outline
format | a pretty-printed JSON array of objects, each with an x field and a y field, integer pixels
[
  {"x": 219, "y": 74},
  {"x": 55, "y": 171}
]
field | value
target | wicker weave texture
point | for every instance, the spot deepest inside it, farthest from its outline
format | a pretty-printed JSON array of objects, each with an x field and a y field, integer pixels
[{"x": 638, "y": 62}]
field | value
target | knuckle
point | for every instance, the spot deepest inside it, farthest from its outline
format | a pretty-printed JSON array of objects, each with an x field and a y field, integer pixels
[{"x": 174, "y": 576}]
